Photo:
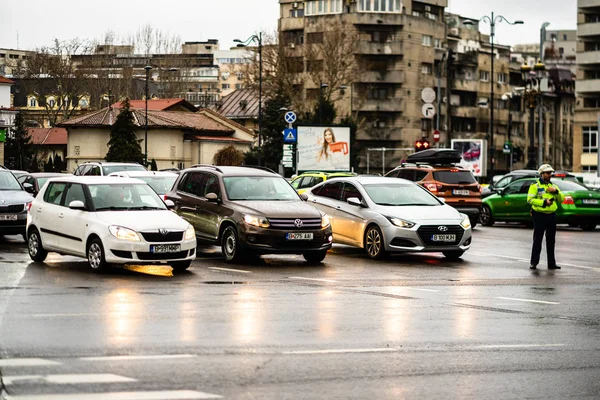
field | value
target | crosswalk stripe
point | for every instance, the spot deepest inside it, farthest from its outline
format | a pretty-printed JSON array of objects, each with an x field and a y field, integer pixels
[
  {"x": 159, "y": 395},
  {"x": 66, "y": 379},
  {"x": 26, "y": 362}
]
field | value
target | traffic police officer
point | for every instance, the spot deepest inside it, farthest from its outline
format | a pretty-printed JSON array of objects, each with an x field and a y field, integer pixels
[{"x": 544, "y": 197}]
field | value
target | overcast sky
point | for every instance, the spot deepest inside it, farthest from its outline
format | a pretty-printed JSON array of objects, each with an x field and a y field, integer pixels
[{"x": 38, "y": 22}]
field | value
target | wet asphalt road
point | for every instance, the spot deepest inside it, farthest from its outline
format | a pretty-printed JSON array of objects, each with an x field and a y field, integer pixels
[{"x": 409, "y": 327}]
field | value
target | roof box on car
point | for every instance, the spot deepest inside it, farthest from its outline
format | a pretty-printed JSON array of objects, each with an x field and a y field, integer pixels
[{"x": 435, "y": 156}]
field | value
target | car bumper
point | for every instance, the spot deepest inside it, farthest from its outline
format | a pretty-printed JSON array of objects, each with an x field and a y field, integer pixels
[
  {"x": 17, "y": 227},
  {"x": 122, "y": 252},
  {"x": 274, "y": 241},
  {"x": 578, "y": 216},
  {"x": 472, "y": 212},
  {"x": 398, "y": 240}
]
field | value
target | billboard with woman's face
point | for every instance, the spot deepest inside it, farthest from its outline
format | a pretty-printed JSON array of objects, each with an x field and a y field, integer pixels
[{"x": 323, "y": 148}]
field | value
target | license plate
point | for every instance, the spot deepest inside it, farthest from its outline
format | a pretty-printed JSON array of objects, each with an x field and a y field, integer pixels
[
  {"x": 299, "y": 236},
  {"x": 8, "y": 217},
  {"x": 443, "y": 238},
  {"x": 461, "y": 192},
  {"x": 590, "y": 201},
  {"x": 165, "y": 248}
]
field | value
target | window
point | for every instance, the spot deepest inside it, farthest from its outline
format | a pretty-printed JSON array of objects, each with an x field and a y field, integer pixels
[
  {"x": 317, "y": 7},
  {"x": 380, "y": 6},
  {"x": 94, "y": 171},
  {"x": 350, "y": 191},
  {"x": 484, "y": 76},
  {"x": 238, "y": 86},
  {"x": 225, "y": 86},
  {"x": 75, "y": 193},
  {"x": 331, "y": 191},
  {"x": 380, "y": 37},
  {"x": 377, "y": 93},
  {"x": 438, "y": 44},
  {"x": 420, "y": 175},
  {"x": 426, "y": 40},
  {"x": 502, "y": 78},
  {"x": 590, "y": 139},
  {"x": 51, "y": 103},
  {"x": 32, "y": 102},
  {"x": 426, "y": 68},
  {"x": 416, "y": 13},
  {"x": 54, "y": 193},
  {"x": 407, "y": 174},
  {"x": 192, "y": 184},
  {"x": 314, "y": 37}
]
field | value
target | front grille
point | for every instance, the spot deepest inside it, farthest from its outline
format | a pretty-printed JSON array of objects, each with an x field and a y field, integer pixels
[
  {"x": 399, "y": 242},
  {"x": 157, "y": 237},
  {"x": 425, "y": 233},
  {"x": 163, "y": 256},
  {"x": 13, "y": 208},
  {"x": 290, "y": 223},
  {"x": 122, "y": 254}
]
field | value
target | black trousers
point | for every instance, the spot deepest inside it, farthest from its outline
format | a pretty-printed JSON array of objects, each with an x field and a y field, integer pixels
[{"x": 543, "y": 223}]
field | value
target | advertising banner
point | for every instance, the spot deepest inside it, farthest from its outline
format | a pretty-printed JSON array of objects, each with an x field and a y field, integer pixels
[
  {"x": 323, "y": 148},
  {"x": 474, "y": 155}
]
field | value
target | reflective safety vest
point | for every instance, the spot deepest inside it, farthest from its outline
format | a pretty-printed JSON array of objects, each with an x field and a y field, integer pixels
[{"x": 538, "y": 192}]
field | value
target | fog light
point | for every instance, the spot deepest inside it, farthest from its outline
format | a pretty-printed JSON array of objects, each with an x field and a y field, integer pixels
[
  {"x": 330, "y": 238},
  {"x": 251, "y": 238}
]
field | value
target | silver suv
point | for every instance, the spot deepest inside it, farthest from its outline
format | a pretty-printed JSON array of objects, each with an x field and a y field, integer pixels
[
  {"x": 14, "y": 204},
  {"x": 98, "y": 168}
]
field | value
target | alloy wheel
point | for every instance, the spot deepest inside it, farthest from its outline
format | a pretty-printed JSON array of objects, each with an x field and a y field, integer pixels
[
  {"x": 373, "y": 242},
  {"x": 95, "y": 255},
  {"x": 34, "y": 244}
]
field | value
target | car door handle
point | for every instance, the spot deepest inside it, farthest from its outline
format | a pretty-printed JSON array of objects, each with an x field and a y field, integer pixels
[
  {"x": 61, "y": 215},
  {"x": 39, "y": 210}
]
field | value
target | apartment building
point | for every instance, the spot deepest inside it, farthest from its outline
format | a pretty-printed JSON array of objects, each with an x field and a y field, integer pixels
[
  {"x": 399, "y": 43},
  {"x": 11, "y": 60},
  {"x": 585, "y": 140},
  {"x": 560, "y": 50},
  {"x": 231, "y": 65}
]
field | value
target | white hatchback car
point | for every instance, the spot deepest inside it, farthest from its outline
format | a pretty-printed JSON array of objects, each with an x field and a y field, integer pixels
[{"x": 108, "y": 220}]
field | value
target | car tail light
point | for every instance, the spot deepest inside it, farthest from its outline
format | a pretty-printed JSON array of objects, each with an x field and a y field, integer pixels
[
  {"x": 480, "y": 188},
  {"x": 568, "y": 200},
  {"x": 560, "y": 175},
  {"x": 432, "y": 187}
]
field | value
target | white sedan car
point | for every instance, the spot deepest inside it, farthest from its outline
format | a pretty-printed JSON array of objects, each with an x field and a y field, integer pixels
[
  {"x": 391, "y": 215},
  {"x": 107, "y": 220}
]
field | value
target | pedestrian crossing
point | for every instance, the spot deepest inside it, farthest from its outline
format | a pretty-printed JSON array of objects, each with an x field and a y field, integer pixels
[{"x": 88, "y": 386}]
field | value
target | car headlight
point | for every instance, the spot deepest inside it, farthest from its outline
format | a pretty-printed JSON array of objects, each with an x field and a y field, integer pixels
[
  {"x": 400, "y": 223},
  {"x": 257, "y": 221},
  {"x": 124, "y": 233},
  {"x": 466, "y": 222},
  {"x": 190, "y": 233},
  {"x": 325, "y": 222}
]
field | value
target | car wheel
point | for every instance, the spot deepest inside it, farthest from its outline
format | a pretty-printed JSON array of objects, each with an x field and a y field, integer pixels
[
  {"x": 180, "y": 266},
  {"x": 486, "y": 217},
  {"x": 315, "y": 257},
  {"x": 374, "y": 242},
  {"x": 95, "y": 253},
  {"x": 34, "y": 244},
  {"x": 453, "y": 255},
  {"x": 230, "y": 246},
  {"x": 588, "y": 226}
]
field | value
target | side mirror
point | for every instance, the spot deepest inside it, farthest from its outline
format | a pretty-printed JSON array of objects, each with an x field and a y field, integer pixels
[
  {"x": 304, "y": 197},
  {"x": 212, "y": 197},
  {"x": 29, "y": 188},
  {"x": 355, "y": 201},
  {"x": 77, "y": 205},
  {"x": 170, "y": 205}
]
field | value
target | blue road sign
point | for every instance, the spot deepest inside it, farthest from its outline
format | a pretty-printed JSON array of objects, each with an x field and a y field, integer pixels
[
  {"x": 290, "y": 136},
  {"x": 290, "y": 117}
]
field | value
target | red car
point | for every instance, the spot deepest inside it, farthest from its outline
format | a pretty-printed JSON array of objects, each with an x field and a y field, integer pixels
[{"x": 472, "y": 154}]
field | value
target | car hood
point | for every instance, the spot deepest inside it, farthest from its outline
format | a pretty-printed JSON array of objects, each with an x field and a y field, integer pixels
[
  {"x": 280, "y": 209},
  {"x": 149, "y": 220},
  {"x": 8, "y": 197},
  {"x": 422, "y": 214}
]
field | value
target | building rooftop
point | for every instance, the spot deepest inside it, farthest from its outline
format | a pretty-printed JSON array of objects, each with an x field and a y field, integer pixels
[
  {"x": 159, "y": 104},
  {"x": 240, "y": 104},
  {"x": 48, "y": 136}
]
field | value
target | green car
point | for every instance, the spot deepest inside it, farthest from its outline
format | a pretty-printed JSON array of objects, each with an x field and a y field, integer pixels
[{"x": 581, "y": 207}]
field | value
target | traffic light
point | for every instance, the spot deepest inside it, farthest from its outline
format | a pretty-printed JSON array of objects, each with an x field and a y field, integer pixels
[{"x": 422, "y": 144}]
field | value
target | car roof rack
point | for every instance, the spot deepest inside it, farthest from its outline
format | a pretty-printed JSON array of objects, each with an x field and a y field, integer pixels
[
  {"x": 259, "y": 167},
  {"x": 435, "y": 157},
  {"x": 207, "y": 166}
]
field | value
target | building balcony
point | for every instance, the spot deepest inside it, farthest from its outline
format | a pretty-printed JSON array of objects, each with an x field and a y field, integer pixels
[
  {"x": 379, "y": 19},
  {"x": 386, "y": 105},
  {"x": 465, "y": 85},
  {"x": 591, "y": 29},
  {"x": 465, "y": 112},
  {"x": 291, "y": 24},
  {"x": 588, "y": 57},
  {"x": 588, "y": 86},
  {"x": 382, "y": 77},
  {"x": 374, "y": 48},
  {"x": 588, "y": 3}
]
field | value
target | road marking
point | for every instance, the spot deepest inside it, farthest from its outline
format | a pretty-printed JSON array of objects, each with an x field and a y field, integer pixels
[
  {"x": 133, "y": 358},
  {"x": 528, "y": 301},
  {"x": 517, "y": 346},
  {"x": 523, "y": 260},
  {"x": 66, "y": 379},
  {"x": 159, "y": 395},
  {"x": 340, "y": 351},
  {"x": 229, "y": 270},
  {"x": 312, "y": 279},
  {"x": 420, "y": 290},
  {"x": 26, "y": 362}
]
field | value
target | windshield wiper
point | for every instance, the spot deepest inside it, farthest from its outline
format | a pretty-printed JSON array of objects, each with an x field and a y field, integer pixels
[
  {"x": 145, "y": 208},
  {"x": 112, "y": 208}
]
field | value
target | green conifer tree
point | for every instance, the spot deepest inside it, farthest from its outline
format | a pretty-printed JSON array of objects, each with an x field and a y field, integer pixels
[{"x": 124, "y": 145}]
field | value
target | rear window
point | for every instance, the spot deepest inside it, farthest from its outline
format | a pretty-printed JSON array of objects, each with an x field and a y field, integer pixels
[
  {"x": 568, "y": 186},
  {"x": 454, "y": 177}
]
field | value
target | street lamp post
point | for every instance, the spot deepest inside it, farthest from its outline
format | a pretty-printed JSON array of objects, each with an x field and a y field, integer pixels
[
  {"x": 493, "y": 20},
  {"x": 147, "y": 68},
  {"x": 257, "y": 39}
]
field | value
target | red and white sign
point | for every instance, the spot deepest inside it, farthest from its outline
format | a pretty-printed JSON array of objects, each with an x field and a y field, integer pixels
[{"x": 436, "y": 136}]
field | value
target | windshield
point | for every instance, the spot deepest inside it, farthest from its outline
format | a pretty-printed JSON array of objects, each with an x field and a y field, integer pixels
[
  {"x": 259, "y": 188},
  {"x": 395, "y": 194},
  {"x": 8, "y": 181},
  {"x": 116, "y": 197},
  {"x": 161, "y": 185},
  {"x": 569, "y": 186},
  {"x": 117, "y": 168},
  {"x": 454, "y": 177}
]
